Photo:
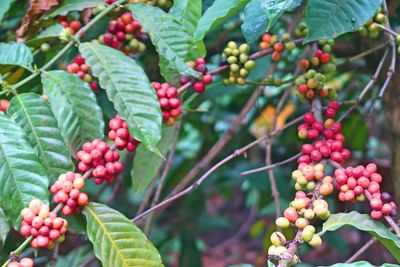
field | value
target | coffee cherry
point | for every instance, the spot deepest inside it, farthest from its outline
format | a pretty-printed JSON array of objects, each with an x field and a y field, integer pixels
[
  {"x": 308, "y": 233},
  {"x": 169, "y": 102},
  {"x": 119, "y": 133},
  {"x": 40, "y": 227},
  {"x": 24, "y": 262},
  {"x": 97, "y": 167},
  {"x": 316, "y": 241},
  {"x": 282, "y": 222},
  {"x": 83, "y": 71},
  {"x": 277, "y": 239},
  {"x": 291, "y": 214},
  {"x": 66, "y": 190}
]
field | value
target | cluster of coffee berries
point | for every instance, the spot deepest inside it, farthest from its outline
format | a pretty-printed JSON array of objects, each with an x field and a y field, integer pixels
[
  {"x": 24, "y": 262},
  {"x": 169, "y": 102},
  {"x": 82, "y": 70},
  {"x": 371, "y": 28},
  {"x": 119, "y": 133},
  {"x": 301, "y": 211},
  {"x": 272, "y": 41},
  {"x": 239, "y": 63},
  {"x": 45, "y": 227},
  {"x": 4, "y": 104},
  {"x": 109, "y": 2},
  {"x": 67, "y": 190},
  {"x": 98, "y": 158},
  {"x": 125, "y": 33},
  {"x": 71, "y": 27},
  {"x": 332, "y": 145},
  {"x": 301, "y": 30},
  {"x": 199, "y": 65},
  {"x": 355, "y": 183},
  {"x": 307, "y": 175},
  {"x": 278, "y": 248},
  {"x": 311, "y": 85}
]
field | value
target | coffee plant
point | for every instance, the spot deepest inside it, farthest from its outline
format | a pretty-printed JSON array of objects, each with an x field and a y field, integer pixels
[{"x": 121, "y": 143}]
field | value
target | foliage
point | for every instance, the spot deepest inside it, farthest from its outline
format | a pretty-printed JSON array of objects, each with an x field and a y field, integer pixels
[{"x": 148, "y": 163}]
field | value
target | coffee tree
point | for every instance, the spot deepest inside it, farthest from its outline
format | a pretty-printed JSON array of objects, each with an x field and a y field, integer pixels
[{"x": 105, "y": 104}]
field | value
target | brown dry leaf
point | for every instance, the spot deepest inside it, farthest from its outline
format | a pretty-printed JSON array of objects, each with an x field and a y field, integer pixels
[
  {"x": 264, "y": 121},
  {"x": 35, "y": 10}
]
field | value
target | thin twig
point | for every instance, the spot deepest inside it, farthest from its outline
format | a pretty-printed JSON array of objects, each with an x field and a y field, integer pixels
[
  {"x": 235, "y": 154},
  {"x": 241, "y": 231},
  {"x": 362, "y": 54},
  {"x": 374, "y": 77},
  {"x": 271, "y": 166},
  {"x": 120, "y": 178},
  {"x": 361, "y": 250},
  {"x": 168, "y": 165},
  {"x": 268, "y": 150},
  {"x": 147, "y": 197},
  {"x": 220, "y": 144}
]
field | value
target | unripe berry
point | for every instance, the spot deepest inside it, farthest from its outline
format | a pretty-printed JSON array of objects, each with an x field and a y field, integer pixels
[
  {"x": 282, "y": 222},
  {"x": 277, "y": 239},
  {"x": 316, "y": 241}
]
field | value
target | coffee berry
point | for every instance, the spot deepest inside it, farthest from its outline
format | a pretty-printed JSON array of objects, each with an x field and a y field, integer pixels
[
  {"x": 82, "y": 70},
  {"x": 169, "y": 102},
  {"x": 119, "y": 133},
  {"x": 43, "y": 225},
  {"x": 237, "y": 57},
  {"x": 125, "y": 33},
  {"x": 100, "y": 160},
  {"x": 24, "y": 262},
  {"x": 67, "y": 190},
  {"x": 200, "y": 66}
]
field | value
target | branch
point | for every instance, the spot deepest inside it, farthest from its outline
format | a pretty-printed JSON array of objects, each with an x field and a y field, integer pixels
[
  {"x": 235, "y": 154},
  {"x": 224, "y": 68},
  {"x": 271, "y": 166},
  {"x": 219, "y": 145},
  {"x": 168, "y": 165}
]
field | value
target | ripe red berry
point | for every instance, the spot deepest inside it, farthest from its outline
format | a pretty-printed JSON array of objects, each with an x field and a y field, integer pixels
[
  {"x": 199, "y": 87},
  {"x": 312, "y": 134},
  {"x": 325, "y": 58}
]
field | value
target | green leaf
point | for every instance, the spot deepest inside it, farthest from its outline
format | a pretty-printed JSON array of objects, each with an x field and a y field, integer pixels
[
  {"x": 34, "y": 116},
  {"x": 116, "y": 240},
  {"x": 75, "y": 5},
  {"x": 261, "y": 15},
  {"x": 170, "y": 38},
  {"x": 128, "y": 87},
  {"x": 361, "y": 264},
  {"x": 364, "y": 222},
  {"x": 215, "y": 14},
  {"x": 17, "y": 54},
  {"x": 188, "y": 13},
  {"x": 4, "y": 7},
  {"x": 22, "y": 176},
  {"x": 4, "y": 227},
  {"x": 46, "y": 35},
  {"x": 74, "y": 105},
  {"x": 329, "y": 19},
  {"x": 146, "y": 164}
]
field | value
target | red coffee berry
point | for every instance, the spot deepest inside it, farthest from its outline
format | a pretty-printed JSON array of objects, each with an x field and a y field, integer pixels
[{"x": 119, "y": 133}]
